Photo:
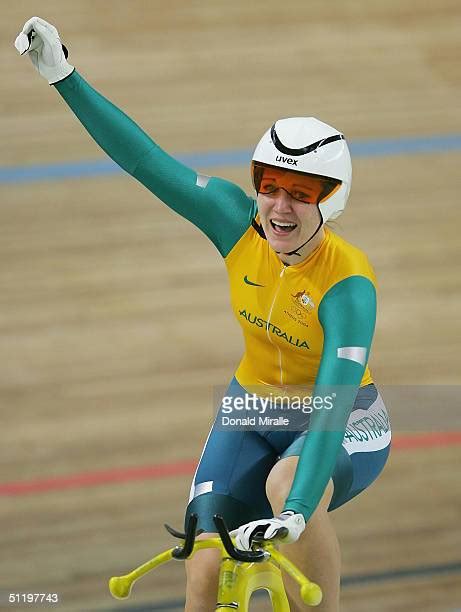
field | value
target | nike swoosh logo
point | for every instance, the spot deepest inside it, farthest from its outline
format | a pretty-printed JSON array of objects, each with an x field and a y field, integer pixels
[{"x": 249, "y": 282}]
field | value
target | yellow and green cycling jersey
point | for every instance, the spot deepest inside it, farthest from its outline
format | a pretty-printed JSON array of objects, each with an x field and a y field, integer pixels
[
  {"x": 277, "y": 307},
  {"x": 309, "y": 324}
]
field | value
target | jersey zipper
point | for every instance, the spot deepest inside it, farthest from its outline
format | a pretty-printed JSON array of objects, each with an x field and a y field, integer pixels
[{"x": 282, "y": 272}]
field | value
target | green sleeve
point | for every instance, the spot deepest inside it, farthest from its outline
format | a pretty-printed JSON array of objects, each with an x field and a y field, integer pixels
[
  {"x": 218, "y": 207},
  {"x": 347, "y": 313}
]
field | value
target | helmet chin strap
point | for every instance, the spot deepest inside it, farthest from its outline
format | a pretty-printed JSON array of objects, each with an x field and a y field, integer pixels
[{"x": 296, "y": 251}]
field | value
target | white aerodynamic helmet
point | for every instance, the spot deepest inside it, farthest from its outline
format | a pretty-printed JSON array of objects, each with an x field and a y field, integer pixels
[{"x": 308, "y": 146}]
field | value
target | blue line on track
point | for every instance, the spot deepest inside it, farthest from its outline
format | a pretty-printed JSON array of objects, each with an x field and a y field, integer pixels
[
  {"x": 212, "y": 159},
  {"x": 347, "y": 581}
]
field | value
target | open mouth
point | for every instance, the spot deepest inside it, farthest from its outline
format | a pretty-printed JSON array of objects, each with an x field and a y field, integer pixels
[{"x": 282, "y": 227}]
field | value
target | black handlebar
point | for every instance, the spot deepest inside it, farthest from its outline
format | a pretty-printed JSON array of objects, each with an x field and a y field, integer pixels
[
  {"x": 184, "y": 551},
  {"x": 250, "y": 556}
]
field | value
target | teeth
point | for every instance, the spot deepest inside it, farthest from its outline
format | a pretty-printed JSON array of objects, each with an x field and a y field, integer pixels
[{"x": 284, "y": 224}]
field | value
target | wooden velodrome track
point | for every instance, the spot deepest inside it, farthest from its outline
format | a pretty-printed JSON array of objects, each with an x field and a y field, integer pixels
[{"x": 115, "y": 318}]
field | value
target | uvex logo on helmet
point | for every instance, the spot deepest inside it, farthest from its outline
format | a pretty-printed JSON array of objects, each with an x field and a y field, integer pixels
[{"x": 286, "y": 160}]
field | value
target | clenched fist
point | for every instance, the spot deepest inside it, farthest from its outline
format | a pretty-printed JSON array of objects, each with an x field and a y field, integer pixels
[{"x": 40, "y": 41}]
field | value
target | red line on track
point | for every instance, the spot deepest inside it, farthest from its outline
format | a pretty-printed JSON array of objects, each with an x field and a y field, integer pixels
[
  {"x": 426, "y": 440},
  {"x": 92, "y": 479},
  {"x": 187, "y": 467}
]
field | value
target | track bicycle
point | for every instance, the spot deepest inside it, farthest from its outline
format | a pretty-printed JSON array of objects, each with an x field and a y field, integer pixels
[{"x": 241, "y": 572}]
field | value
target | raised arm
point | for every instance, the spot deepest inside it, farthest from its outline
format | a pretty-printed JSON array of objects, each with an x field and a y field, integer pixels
[
  {"x": 347, "y": 314},
  {"x": 218, "y": 207}
]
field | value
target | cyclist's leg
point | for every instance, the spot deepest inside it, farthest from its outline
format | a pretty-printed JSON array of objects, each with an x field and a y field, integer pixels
[
  {"x": 316, "y": 553},
  {"x": 361, "y": 459},
  {"x": 233, "y": 469},
  {"x": 230, "y": 480},
  {"x": 365, "y": 448},
  {"x": 202, "y": 573}
]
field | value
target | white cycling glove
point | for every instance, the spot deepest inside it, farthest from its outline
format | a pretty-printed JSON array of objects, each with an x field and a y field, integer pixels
[
  {"x": 268, "y": 528},
  {"x": 40, "y": 41}
]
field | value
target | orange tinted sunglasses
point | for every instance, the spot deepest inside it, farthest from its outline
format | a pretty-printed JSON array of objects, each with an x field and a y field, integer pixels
[{"x": 307, "y": 188}]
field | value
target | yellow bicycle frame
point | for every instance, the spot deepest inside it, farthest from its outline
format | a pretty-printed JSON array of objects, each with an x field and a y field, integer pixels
[{"x": 237, "y": 580}]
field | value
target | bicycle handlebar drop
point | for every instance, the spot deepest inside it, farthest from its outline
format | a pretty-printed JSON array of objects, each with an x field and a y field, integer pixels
[{"x": 184, "y": 551}]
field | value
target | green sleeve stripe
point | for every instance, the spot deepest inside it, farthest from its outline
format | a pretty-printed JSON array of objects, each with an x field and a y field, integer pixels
[
  {"x": 347, "y": 314},
  {"x": 218, "y": 207}
]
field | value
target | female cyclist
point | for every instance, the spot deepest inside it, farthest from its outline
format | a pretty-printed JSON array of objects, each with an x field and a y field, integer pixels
[{"x": 306, "y": 302}]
